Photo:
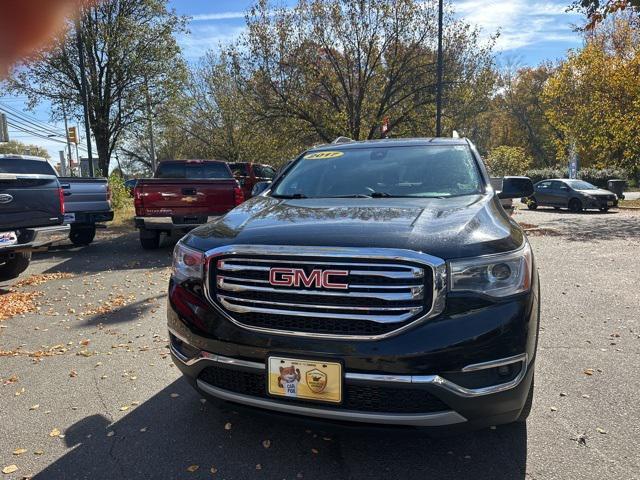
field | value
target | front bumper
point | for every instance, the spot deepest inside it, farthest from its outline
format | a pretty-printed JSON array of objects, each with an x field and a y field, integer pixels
[
  {"x": 598, "y": 202},
  {"x": 453, "y": 362},
  {"x": 33, "y": 239}
]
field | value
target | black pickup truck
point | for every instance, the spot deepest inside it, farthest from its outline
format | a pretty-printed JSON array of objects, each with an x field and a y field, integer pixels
[
  {"x": 31, "y": 211},
  {"x": 378, "y": 282}
]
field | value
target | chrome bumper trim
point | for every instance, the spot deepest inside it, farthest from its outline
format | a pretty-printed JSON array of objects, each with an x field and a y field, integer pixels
[
  {"x": 448, "y": 417},
  {"x": 435, "y": 380}
]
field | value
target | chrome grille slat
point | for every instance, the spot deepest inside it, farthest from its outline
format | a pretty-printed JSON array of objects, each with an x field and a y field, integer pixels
[
  {"x": 408, "y": 273},
  {"x": 318, "y": 307},
  {"x": 351, "y": 285},
  {"x": 375, "y": 293},
  {"x": 377, "y": 318},
  {"x": 404, "y": 296}
]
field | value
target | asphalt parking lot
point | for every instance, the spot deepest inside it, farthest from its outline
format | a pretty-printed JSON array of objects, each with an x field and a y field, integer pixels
[{"x": 89, "y": 391}]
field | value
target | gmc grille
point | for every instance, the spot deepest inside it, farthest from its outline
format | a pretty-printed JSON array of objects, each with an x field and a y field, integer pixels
[{"x": 374, "y": 297}]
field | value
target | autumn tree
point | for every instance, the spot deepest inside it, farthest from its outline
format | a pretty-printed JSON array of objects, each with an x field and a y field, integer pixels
[
  {"x": 519, "y": 118},
  {"x": 593, "y": 98},
  {"x": 338, "y": 67},
  {"x": 597, "y": 10},
  {"x": 505, "y": 160},
  {"x": 19, "y": 148},
  {"x": 132, "y": 63}
]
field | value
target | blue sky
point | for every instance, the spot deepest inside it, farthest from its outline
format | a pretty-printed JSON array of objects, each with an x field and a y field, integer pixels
[{"x": 530, "y": 31}]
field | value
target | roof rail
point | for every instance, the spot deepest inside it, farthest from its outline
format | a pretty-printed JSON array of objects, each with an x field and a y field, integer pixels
[{"x": 342, "y": 140}]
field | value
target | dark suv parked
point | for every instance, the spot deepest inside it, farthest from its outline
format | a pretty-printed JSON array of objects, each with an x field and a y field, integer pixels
[{"x": 377, "y": 282}]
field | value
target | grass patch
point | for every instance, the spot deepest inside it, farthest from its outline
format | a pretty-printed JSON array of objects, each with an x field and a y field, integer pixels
[
  {"x": 123, "y": 216},
  {"x": 630, "y": 203}
]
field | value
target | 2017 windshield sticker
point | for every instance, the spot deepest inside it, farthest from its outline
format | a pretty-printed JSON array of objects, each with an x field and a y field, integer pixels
[{"x": 323, "y": 155}]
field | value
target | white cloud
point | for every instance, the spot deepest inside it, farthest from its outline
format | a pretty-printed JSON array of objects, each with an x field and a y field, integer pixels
[
  {"x": 205, "y": 37},
  {"x": 217, "y": 16},
  {"x": 521, "y": 23}
]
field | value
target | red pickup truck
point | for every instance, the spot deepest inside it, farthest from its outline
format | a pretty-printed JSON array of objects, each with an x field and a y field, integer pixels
[{"x": 182, "y": 195}]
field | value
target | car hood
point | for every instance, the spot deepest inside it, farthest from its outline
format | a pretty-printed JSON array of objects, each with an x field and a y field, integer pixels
[
  {"x": 598, "y": 192},
  {"x": 447, "y": 228}
]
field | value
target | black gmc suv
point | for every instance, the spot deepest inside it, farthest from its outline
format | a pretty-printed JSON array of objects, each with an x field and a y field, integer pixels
[{"x": 378, "y": 282}]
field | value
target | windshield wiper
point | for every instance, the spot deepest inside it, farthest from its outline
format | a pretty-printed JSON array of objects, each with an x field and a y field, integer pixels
[
  {"x": 355, "y": 195},
  {"x": 291, "y": 197}
]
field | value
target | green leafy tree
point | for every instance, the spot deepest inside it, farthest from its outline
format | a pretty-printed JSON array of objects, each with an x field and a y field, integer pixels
[
  {"x": 20, "y": 148},
  {"x": 506, "y": 160},
  {"x": 132, "y": 60}
]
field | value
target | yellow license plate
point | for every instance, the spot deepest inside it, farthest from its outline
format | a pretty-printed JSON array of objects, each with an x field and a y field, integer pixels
[{"x": 305, "y": 379}]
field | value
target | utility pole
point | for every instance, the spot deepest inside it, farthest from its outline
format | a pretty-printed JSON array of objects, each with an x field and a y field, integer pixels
[
  {"x": 439, "y": 73},
  {"x": 66, "y": 130},
  {"x": 152, "y": 143},
  {"x": 84, "y": 93}
]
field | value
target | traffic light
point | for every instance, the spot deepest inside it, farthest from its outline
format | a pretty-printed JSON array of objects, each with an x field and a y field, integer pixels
[{"x": 73, "y": 135}]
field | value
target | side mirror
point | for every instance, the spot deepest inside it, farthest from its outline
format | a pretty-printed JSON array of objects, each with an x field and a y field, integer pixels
[
  {"x": 516, "y": 187},
  {"x": 260, "y": 187}
]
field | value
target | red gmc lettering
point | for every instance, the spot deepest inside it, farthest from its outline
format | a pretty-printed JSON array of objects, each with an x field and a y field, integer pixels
[{"x": 295, "y": 277}]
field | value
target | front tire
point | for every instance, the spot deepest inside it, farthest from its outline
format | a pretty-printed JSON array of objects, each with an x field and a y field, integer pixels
[
  {"x": 604, "y": 209},
  {"x": 149, "y": 239},
  {"x": 14, "y": 267},
  {"x": 81, "y": 236},
  {"x": 575, "y": 205}
]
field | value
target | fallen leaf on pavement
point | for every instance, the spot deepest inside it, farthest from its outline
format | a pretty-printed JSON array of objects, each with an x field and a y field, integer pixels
[
  {"x": 601, "y": 430},
  {"x": 9, "y": 469},
  {"x": 227, "y": 426},
  {"x": 174, "y": 395},
  {"x": 54, "y": 433},
  {"x": 34, "y": 407},
  {"x": 589, "y": 371},
  {"x": 124, "y": 408},
  {"x": 19, "y": 451},
  {"x": 192, "y": 468},
  {"x": 266, "y": 443},
  {"x": 214, "y": 470},
  {"x": 73, "y": 374}
]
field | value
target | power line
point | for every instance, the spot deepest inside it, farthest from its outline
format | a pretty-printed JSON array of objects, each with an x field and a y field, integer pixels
[
  {"x": 28, "y": 126},
  {"x": 16, "y": 113},
  {"x": 40, "y": 135}
]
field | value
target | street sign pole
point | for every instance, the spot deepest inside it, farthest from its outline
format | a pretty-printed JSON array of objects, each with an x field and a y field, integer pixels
[
  {"x": 439, "y": 73},
  {"x": 84, "y": 93}
]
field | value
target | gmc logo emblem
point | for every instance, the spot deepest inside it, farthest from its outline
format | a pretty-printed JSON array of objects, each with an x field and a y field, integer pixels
[{"x": 296, "y": 277}]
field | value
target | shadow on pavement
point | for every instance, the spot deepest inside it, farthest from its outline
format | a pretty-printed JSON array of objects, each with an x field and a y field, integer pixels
[
  {"x": 113, "y": 252},
  {"x": 131, "y": 312},
  {"x": 162, "y": 437}
]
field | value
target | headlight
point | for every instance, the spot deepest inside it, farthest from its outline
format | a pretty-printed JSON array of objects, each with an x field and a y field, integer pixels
[
  {"x": 188, "y": 264},
  {"x": 493, "y": 275}
]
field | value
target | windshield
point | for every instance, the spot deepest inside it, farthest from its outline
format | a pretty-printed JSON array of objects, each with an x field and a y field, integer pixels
[
  {"x": 580, "y": 185},
  {"x": 25, "y": 166},
  {"x": 416, "y": 171},
  {"x": 193, "y": 170}
]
